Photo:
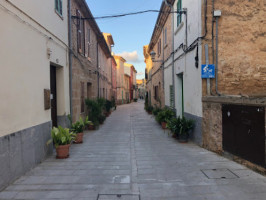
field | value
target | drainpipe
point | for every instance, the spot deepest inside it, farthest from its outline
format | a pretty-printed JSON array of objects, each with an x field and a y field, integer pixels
[
  {"x": 173, "y": 55},
  {"x": 98, "y": 71},
  {"x": 216, "y": 83},
  {"x": 70, "y": 56}
]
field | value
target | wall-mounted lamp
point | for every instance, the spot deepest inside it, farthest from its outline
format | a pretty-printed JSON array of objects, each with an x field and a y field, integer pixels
[{"x": 153, "y": 54}]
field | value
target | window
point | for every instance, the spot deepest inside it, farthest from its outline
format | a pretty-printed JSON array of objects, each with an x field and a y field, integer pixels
[
  {"x": 165, "y": 36},
  {"x": 82, "y": 99},
  {"x": 79, "y": 33},
  {"x": 159, "y": 47},
  {"x": 179, "y": 15},
  {"x": 89, "y": 41},
  {"x": 156, "y": 93},
  {"x": 58, "y": 7}
]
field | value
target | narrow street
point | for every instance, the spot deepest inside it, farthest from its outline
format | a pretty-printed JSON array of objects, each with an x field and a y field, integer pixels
[{"x": 131, "y": 156}]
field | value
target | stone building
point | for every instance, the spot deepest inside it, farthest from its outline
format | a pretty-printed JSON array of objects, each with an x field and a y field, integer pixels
[
  {"x": 228, "y": 106},
  {"x": 148, "y": 71},
  {"x": 112, "y": 71},
  {"x": 127, "y": 82},
  {"x": 120, "y": 90},
  {"x": 141, "y": 88},
  {"x": 234, "y": 101},
  {"x": 134, "y": 83},
  {"x": 34, "y": 70},
  {"x": 91, "y": 59},
  {"x": 160, "y": 48}
]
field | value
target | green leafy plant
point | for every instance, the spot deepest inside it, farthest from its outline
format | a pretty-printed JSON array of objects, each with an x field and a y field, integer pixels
[
  {"x": 94, "y": 110},
  {"x": 62, "y": 136},
  {"x": 108, "y": 105},
  {"x": 79, "y": 126},
  {"x": 185, "y": 126},
  {"x": 101, "y": 119},
  {"x": 156, "y": 110},
  {"x": 164, "y": 115},
  {"x": 149, "y": 109},
  {"x": 174, "y": 125},
  {"x": 135, "y": 99},
  {"x": 101, "y": 102}
]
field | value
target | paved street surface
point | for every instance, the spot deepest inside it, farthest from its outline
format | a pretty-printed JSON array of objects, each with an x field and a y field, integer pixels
[{"x": 131, "y": 158}]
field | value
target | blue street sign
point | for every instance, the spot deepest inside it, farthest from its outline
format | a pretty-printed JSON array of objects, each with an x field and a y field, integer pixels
[{"x": 208, "y": 71}]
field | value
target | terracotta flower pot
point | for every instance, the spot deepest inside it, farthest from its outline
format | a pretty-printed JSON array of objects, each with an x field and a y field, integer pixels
[
  {"x": 91, "y": 127},
  {"x": 163, "y": 125},
  {"x": 183, "y": 138},
  {"x": 62, "y": 151},
  {"x": 79, "y": 138}
]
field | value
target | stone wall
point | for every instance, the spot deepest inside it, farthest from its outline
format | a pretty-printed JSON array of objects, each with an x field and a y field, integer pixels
[
  {"x": 242, "y": 46},
  {"x": 212, "y": 126},
  {"x": 157, "y": 68},
  {"x": 23, "y": 150},
  {"x": 84, "y": 64},
  {"x": 212, "y": 119}
]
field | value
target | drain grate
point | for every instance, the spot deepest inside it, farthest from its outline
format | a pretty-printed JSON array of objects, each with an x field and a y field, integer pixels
[
  {"x": 219, "y": 174},
  {"x": 118, "y": 197}
]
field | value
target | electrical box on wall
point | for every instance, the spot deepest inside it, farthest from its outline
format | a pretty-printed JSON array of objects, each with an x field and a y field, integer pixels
[
  {"x": 47, "y": 101},
  {"x": 217, "y": 13}
]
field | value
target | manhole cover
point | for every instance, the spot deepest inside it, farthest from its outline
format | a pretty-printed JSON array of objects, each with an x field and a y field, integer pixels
[
  {"x": 118, "y": 197},
  {"x": 219, "y": 174}
]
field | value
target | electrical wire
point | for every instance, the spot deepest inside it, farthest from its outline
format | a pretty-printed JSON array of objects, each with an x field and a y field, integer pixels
[{"x": 123, "y": 15}]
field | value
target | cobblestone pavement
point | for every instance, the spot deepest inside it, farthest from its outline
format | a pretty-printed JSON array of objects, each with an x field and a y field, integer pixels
[{"x": 130, "y": 158}]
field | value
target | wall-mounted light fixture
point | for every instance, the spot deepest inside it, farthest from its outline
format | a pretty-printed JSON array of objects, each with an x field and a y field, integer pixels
[{"x": 153, "y": 54}]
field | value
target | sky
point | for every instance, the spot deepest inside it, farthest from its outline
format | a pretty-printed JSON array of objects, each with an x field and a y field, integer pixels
[{"x": 130, "y": 33}]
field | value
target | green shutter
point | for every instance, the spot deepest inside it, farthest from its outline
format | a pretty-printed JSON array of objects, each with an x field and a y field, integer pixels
[
  {"x": 60, "y": 7},
  {"x": 171, "y": 96},
  {"x": 179, "y": 16}
]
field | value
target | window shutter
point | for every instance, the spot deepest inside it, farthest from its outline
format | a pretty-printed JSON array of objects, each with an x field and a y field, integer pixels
[
  {"x": 89, "y": 41},
  {"x": 179, "y": 16},
  {"x": 78, "y": 30},
  {"x": 60, "y": 7},
  {"x": 171, "y": 96},
  {"x": 56, "y": 5}
]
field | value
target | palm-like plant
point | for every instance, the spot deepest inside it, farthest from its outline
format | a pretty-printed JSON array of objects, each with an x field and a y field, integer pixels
[{"x": 62, "y": 136}]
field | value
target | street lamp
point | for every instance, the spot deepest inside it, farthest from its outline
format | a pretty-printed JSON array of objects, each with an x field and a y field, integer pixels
[{"x": 153, "y": 54}]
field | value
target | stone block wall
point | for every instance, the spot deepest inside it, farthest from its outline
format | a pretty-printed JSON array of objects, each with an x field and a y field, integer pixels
[
  {"x": 212, "y": 126},
  {"x": 84, "y": 68},
  {"x": 23, "y": 150},
  {"x": 242, "y": 46}
]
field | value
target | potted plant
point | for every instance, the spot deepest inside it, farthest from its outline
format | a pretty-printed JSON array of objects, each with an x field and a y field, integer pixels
[
  {"x": 78, "y": 129},
  {"x": 164, "y": 116},
  {"x": 135, "y": 100},
  {"x": 173, "y": 125},
  {"x": 156, "y": 110},
  {"x": 149, "y": 109},
  {"x": 108, "y": 106},
  {"x": 101, "y": 119},
  {"x": 185, "y": 126},
  {"x": 95, "y": 110},
  {"x": 62, "y": 139}
]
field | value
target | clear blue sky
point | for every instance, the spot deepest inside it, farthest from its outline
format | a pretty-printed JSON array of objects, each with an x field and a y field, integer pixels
[{"x": 130, "y": 33}]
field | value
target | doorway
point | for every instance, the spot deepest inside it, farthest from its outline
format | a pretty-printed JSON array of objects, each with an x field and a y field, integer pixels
[
  {"x": 53, "y": 95},
  {"x": 180, "y": 95}
]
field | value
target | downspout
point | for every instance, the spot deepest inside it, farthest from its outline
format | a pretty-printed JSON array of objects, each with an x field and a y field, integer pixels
[
  {"x": 173, "y": 54},
  {"x": 216, "y": 80},
  {"x": 70, "y": 57},
  {"x": 163, "y": 57},
  {"x": 98, "y": 71},
  {"x": 216, "y": 60}
]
